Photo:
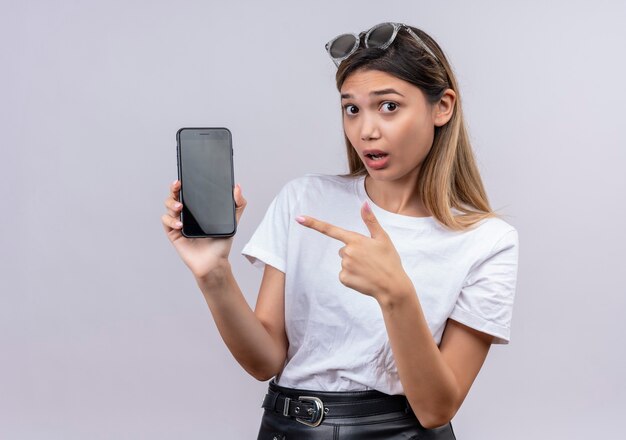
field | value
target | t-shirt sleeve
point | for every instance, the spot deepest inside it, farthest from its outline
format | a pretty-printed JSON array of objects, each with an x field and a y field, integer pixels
[
  {"x": 486, "y": 299},
  {"x": 268, "y": 244}
]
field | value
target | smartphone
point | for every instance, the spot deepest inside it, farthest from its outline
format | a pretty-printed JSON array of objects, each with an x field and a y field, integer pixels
[{"x": 205, "y": 170}]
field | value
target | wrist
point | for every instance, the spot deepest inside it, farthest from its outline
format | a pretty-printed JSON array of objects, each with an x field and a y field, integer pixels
[
  {"x": 396, "y": 293},
  {"x": 216, "y": 276}
]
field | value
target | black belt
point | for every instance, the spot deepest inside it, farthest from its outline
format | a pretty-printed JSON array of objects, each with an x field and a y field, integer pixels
[{"x": 310, "y": 407}]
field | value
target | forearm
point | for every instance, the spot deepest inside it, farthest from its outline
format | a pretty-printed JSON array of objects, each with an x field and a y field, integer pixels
[
  {"x": 243, "y": 333},
  {"x": 429, "y": 384}
]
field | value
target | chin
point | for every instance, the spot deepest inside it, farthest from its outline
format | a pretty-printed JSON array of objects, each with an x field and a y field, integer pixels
[
  {"x": 387, "y": 175},
  {"x": 381, "y": 175}
]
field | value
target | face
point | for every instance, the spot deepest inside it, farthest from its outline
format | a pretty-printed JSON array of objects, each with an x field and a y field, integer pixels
[{"x": 392, "y": 117}]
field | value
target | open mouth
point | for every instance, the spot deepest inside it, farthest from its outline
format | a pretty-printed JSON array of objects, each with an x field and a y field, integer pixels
[{"x": 376, "y": 156}]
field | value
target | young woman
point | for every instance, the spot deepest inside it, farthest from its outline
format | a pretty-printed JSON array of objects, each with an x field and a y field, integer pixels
[{"x": 384, "y": 288}]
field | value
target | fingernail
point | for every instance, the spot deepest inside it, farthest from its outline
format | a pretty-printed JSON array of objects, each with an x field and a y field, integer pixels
[
  {"x": 300, "y": 219},
  {"x": 178, "y": 224},
  {"x": 177, "y": 205},
  {"x": 367, "y": 207},
  {"x": 174, "y": 182}
]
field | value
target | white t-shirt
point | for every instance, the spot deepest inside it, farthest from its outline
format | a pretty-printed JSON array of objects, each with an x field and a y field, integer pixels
[{"x": 337, "y": 336}]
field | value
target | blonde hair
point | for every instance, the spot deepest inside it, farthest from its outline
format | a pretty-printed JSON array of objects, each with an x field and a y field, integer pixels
[{"x": 449, "y": 177}]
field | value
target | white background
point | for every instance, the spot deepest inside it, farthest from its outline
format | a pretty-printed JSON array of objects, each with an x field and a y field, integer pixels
[{"x": 103, "y": 331}]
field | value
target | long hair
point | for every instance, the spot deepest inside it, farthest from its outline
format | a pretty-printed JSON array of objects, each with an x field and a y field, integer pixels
[{"x": 448, "y": 177}]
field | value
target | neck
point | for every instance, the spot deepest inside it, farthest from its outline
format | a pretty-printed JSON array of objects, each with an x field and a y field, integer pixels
[{"x": 397, "y": 196}]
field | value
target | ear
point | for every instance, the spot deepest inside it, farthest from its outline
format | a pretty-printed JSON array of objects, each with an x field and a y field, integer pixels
[{"x": 444, "y": 109}]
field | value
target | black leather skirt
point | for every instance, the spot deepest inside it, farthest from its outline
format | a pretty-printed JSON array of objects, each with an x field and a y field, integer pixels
[{"x": 297, "y": 414}]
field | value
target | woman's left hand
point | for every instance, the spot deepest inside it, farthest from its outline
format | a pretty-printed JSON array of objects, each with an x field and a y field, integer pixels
[{"x": 370, "y": 265}]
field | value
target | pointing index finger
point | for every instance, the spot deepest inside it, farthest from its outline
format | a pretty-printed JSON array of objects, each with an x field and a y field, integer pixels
[{"x": 326, "y": 228}]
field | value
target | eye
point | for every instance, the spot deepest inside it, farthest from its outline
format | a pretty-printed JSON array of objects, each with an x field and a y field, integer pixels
[
  {"x": 346, "y": 109},
  {"x": 392, "y": 106}
]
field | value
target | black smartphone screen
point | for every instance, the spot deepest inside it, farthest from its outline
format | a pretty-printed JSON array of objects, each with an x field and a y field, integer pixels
[{"x": 205, "y": 169}]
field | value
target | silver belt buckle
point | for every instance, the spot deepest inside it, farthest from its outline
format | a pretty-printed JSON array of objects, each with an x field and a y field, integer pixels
[{"x": 316, "y": 414}]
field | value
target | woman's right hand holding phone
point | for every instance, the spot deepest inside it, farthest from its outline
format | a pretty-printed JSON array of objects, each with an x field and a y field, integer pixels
[{"x": 204, "y": 256}]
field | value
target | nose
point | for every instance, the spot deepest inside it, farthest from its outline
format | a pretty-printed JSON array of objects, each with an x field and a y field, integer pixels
[{"x": 369, "y": 128}]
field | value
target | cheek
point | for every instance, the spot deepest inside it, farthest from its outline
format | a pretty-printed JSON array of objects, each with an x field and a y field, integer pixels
[
  {"x": 409, "y": 135},
  {"x": 350, "y": 130}
]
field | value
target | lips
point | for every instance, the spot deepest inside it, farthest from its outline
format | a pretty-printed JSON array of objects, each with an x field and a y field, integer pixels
[
  {"x": 381, "y": 161},
  {"x": 373, "y": 152}
]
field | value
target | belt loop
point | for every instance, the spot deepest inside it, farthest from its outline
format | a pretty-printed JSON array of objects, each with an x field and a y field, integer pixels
[{"x": 274, "y": 399}]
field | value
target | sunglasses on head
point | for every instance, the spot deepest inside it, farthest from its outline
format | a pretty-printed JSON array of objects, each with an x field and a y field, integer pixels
[{"x": 379, "y": 36}]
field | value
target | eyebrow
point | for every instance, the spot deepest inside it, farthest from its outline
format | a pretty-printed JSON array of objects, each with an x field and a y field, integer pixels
[{"x": 375, "y": 93}]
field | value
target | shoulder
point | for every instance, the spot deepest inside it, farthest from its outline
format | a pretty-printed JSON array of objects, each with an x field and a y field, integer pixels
[
  {"x": 496, "y": 226},
  {"x": 320, "y": 179},
  {"x": 313, "y": 184},
  {"x": 497, "y": 237}
]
